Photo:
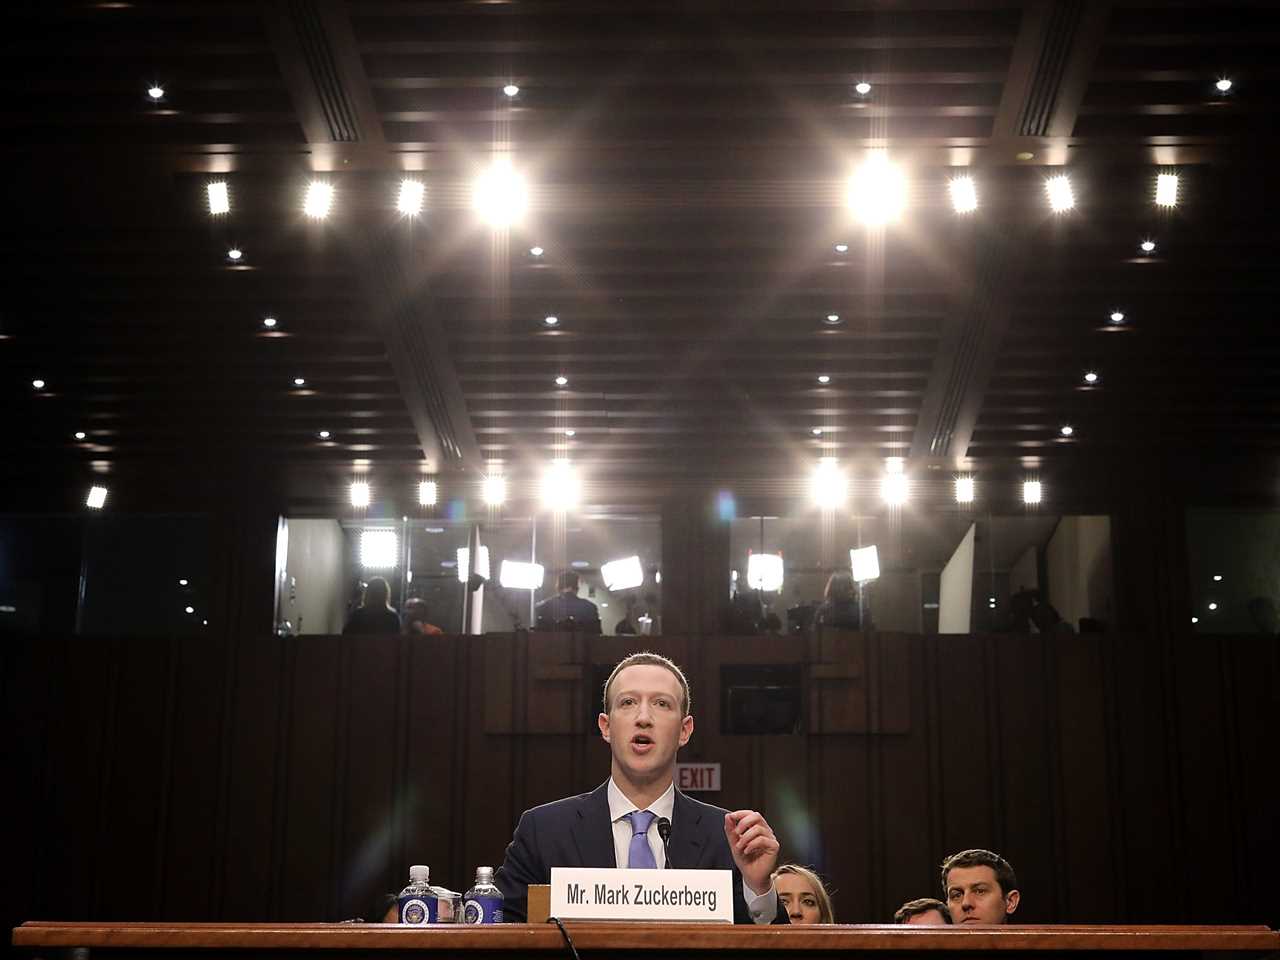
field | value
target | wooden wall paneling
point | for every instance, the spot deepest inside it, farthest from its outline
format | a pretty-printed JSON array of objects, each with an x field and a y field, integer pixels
[
  {"x": 1025, "y": 775},
  {"x": 260, "y": 702},
  {"x": 500, "y": 677},
  {"x": 965, "y": 790},
  {"x": 555, "y": 679},
  {"x": 24, "y": 694},
  {"x": 1202, "y": 747},
  {"x": 139, "y": 761},
  {"x": 365, "y": 862},
  {"x": 435, "y": 761},
  {"x": 890, "y": 686},
  {"x": 1083, "y": 744},
  {"x": 187, "y": 877},
  {"x": 838, "y": 683},
  {"x": 909, "y": 863},
  {"x": 312, "y": 793},
  {"x": 1255, "y": 666},
  {"x": 488, "y": 821}
]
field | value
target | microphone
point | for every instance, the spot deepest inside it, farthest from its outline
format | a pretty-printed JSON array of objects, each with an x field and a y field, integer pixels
[{"x": 664, "y": 831}]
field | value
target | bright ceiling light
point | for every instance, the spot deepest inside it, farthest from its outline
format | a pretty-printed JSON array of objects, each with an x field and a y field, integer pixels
[
  {"x": 1061, "y": 197},
  {"x": 511, "y": 90},
  {"x": 1213, "y": 606},
  {"x": 379, "y": 549},
  {"x": 551, "y": 320},
  {"x": 1223, "y": 86},
  {"x": 494, "y": 490},
  {"x": 764, "y": 571},
  {"x": 299, "y": 381},
  {"x": 536, "y": 251},
  {"x": 427, "y": 493},
  {"x": 562, "y": 381},
  {"x": 832, "y": 318},
  {"x": 864, "y": 564},
  {"x": 561, "y": 486},
  {"x": 80, "y": 434},
  {"x": 816, "y": 431},
  {"x": 1147, "y": 246},
  {"x": 515, "y": 575},
  {"x": 412, "y": 192},
  {"x": 190, "y": 609},
  {"x": 1031, "y": 491},
  {"x": 359, "y": 493},
  {"x": 964, "y": 195},
  {"x": 1091, "y": 377},
  {"x": 234, "y": 253},
  {"x": 1167, "y": 190},
  {"x": 894, "y": 489},
  {"x": 482, "y": 563},
  {"x": 862, "y": 88},
  {"x": 1117, "y": 316},
  {"x": 877, "y": 190},
  {"x": 97, "y": 498},
  {"x": 1066, "y": 430},
  {"x": 824, "y": 378},
  {"x": 1195, "y": 619},
  {"x": 828, "y": 485},
  {"x": 964, "y": 489},
  {"x": 38, "y": 384},
  {"x": 1217, "y": 578},
  {"x": 500, "y": 195},
  {"x": 323, "y": 434},
  {"x": 571, "y": 433},
  {"x": 318, "y": 200},
  {"x": 842, "y": 248},
  {"x": 156, "y": 92},
  {"x": 624, "y": 574},
  {"x": 182, "y": 583},
  {"x": 219, "y": 199},
  {"x": 269, "y": 322}
]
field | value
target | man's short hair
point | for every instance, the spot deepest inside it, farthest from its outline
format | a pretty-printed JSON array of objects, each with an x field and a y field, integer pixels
[
  {"x": 913, "y": 908},
  {"x": 645, "y": 658},
  {"x": 981, "y": 858},
  {"x": 568, "y": 580}
]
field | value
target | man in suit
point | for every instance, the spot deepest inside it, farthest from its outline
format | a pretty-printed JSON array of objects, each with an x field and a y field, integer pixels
[
  {"x": 567, "y": 610},
  {"x": 980, "y": 888},
  {"x": 646, "y": 720}
]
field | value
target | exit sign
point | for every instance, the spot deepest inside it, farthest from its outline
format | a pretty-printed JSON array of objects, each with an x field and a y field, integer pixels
[{"x": 692, "y": 777}]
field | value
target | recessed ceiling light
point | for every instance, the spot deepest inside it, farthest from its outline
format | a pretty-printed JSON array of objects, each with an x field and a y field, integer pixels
[
  {"x": 1117, "y": 316},
  {"x": 428, "y": 493},
  {"x": 97, "y": 498},
  {"x": 833, "y": 318},
  {"x": 1213, "y": 606},
  {"x": 964, "y": 195},
  {"x": 1061, "y": 196},
  {"x": 299, "y": 381},
  {"x": 319, "y": 199},
  {"x": 570, "y": 433},
  {"x": 1195, "y": 619},
  {"x": 409, "y": 203},
  {"x": 842, "y": 248},
  {"x": 1091, "y": 377},
  {"x": 824, "y": 378},
  {"x": 499, "y": 194},
  {"x": 219, "y": 199},
  {"x": 536, "y": 251},
  {"x": 862, "y": 88},
  {"x": 359, "y": 493},
  {"x": 1167, "y": 190},
  {"x": 561, "y": 381},
  {"x": 816, "y": 431},
  {"x": 493, "y": 490},
  {"x": 964, "y": 489},
  {"x": 156, "y": 92},
  {"x": 1217, "y": 578},
  {"x": 877, "y": 190},
  {"x": 268, "y": 322},
  {"x": 1024, "y": 155},
  {"x": 1031, "y": 491},
  {"x": 1066, "y": 430},
  {"x": 235, "y": 253},
  {"x": 38, "y": 384},
  {"x": 1223, "y": 85},
  {"x": 80, "y": 434},
  {"x": 323, "y": 434},
  {"x": 511, "y": 90},
  {"x": 550, "y": 320},
  {"x": 190, "y": 609},
  {"x": 1147, "y": 246}
]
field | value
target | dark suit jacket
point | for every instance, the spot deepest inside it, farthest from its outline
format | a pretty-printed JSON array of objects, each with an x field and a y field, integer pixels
[{"x": 577, "y": 832}]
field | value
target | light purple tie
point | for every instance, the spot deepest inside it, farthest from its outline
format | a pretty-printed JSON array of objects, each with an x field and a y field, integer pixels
[{"x": 640, "y": 854}]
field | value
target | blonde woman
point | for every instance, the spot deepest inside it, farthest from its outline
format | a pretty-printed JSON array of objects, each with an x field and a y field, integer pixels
[{"x": 802, "y": 894}]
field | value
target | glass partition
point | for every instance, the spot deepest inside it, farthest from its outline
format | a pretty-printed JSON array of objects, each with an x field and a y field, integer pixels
[{"x": 1234, "y": 571}]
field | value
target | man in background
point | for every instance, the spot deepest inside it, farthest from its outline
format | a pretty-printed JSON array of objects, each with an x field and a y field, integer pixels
[{"x": 980, "y": 888}]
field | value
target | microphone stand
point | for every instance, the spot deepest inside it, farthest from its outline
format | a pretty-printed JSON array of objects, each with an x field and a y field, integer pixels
[{"x": 664, "y": 831}]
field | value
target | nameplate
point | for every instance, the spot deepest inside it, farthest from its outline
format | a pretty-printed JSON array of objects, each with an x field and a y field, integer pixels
[{"x": 581, "y": 893}]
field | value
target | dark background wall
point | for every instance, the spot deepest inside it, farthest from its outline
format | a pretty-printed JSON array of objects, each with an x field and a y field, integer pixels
[{"x": 1128, "y": 779}]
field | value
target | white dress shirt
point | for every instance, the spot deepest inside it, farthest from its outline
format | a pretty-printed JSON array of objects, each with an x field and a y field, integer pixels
[{"x": 762, "y": 907}]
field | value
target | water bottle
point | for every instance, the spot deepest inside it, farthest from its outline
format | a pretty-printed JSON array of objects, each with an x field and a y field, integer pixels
[
  {"x": 484, "y": 899},
  {"x": 417, "y": 901}
]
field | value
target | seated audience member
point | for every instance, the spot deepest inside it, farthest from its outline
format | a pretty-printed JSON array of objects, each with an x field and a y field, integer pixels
[
  {"x": 925, "y": 912},
  {"x": 415, "y": 618},
  {"x": 839, "y": 607},
  {"x": 566, "y": 610},
  {"x": 374, "y": 615},
  {"x": 980, "y": 888},
  {"x": 802, "y": 895}
]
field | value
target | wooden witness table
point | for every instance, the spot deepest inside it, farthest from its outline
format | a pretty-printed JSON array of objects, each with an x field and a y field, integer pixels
[{"x": 240, "y": 941}]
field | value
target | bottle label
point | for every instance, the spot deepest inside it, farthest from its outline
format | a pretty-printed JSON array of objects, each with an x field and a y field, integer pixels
[
  {"x": 416, "y": 909},
  {"x": 479, "y": 909}
]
